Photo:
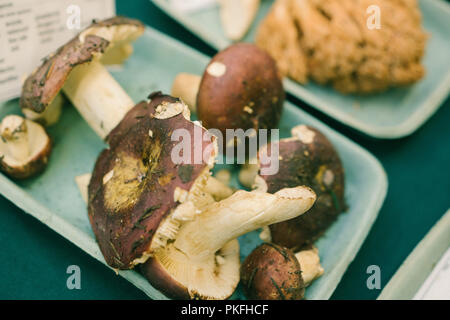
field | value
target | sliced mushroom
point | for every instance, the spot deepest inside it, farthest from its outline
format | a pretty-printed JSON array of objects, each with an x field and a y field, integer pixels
[
  {"x": 308, "y": 158},
  {"x": 77, "y": 69},
  {"x": 273, "y": 272},
  {"x": 24, "y": 147},
  {"x": 237, "y": 17}
]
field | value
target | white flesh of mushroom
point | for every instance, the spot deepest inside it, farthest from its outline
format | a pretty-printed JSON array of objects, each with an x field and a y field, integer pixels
[
  {"x": 310, "y": 264},
  {"x": 192, "y": 256},
  {"x": 185, "y": 86},
  {"x": 21, "y": 140},
  {"x": 98, "y": 97},
  {"x": 237, "y": 16},
  {"x": 50, "y": 116},
  {"x": 82, "y": 182},
  {"x": 247, "y": 175},
  {"x": 217, "y": 189}
]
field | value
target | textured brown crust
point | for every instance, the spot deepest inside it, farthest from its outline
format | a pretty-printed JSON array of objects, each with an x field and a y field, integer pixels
[
  {"x": 248, "y": 95},
  {"x": 340, "y": 49},
  {"x": 42, "y": 86},
  {"x": 272, "y": 272},
  {"x": 278, "y": 35},
  {"x": 124, "y": 229},
  {"x": 316, "y": 165},
  {"x": 32, "y": 168}
]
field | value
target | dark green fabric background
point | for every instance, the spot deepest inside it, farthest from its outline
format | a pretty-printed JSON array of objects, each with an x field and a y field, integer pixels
[{"x": 34, "y": 259}]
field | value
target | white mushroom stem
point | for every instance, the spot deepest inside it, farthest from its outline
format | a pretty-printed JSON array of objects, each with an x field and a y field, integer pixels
[
  {"x": 241, "y": 213},
  {"x": 310, "y": 264},
  {"x": 247, "y": 175},
  {"x": 185, "y": 86},
  {"x": 82, "y": 182},
  {"x": 223, "y": 176},
  {"x": 97, "y": 96},
  {"x": 237, "y": 17},
  {"x": 13, "y": 131}
]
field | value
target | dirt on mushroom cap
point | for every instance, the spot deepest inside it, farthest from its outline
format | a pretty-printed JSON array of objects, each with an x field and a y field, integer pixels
[
  {"x": 126, "y": 209},
  {"x": 241, "y": 88},
  {"x": 272, "y": 272}
]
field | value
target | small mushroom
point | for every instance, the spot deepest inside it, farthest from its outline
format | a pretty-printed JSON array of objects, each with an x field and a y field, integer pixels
[
  {"x": 247, "y": 174},
  {"x": 145, "y": 207},
  {"x": 237, "y": 17},
  {"x": 77, "y": 69},
  {"x": 223, "y": 176},
  {"x": 307, "y": 158},
  {"x": 82, "y": 182},
  {"x": 273, "y": 272},
  {"x": 24, "y": 147},
  {"x": 217, "y": 189},
  {"x": 186, "y": 87},
  {"x": 51, "y": 114},
  {"x": 201, "y": 261},
  {"x": 241, "y": 88}
]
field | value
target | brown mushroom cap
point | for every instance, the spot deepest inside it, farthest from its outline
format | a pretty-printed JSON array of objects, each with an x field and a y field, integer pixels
[
  {"x": 44, "y": 84},
  {"x": 308, "y": 159},
  {"x": 134, "y": 182},
  {"x": 272, "y": 272},
  {"x": 25, "y": 147},
  {"x": 240, "y": 88}
]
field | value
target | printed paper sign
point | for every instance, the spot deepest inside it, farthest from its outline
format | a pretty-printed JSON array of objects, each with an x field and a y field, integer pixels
[
  {"x": 30, "y": 30},
  {"x": 437, "y": 285}
]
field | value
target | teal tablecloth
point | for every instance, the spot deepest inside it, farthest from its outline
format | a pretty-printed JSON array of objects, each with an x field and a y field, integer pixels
[{"x": 34, "y": 259}]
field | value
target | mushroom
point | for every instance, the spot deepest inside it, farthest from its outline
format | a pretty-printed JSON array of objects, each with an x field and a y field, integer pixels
[
  {"x": 24, "y": 147},
  {"x": 237, "y": 17},
  {"x": 307, "y": 158},
  {"x": 77, "y": 68},
  {"x": 82, "y": 182},
  {"x": 223, "y": 176},
  {"x": 247, "y": 174},
  {"x": 273, "y": 272},
  {"x": 241, "y": 88},
  {"x": 186, "y": 87},
  {"x": 51, "y": 114},
  {"x": 145, "y": 206}
]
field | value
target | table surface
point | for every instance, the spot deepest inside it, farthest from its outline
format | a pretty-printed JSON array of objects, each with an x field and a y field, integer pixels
[{"x": 35, "y": 258}]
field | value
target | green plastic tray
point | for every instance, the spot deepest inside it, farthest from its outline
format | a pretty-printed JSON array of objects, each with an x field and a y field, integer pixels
[
  {"x": 54, "y": 198},
  {"x": 413, "y": 272},
  {"x": 393, "y": 114}
]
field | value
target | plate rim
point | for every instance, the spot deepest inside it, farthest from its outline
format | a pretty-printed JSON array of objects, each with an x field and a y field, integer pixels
[{"x": 403, "y": 129}]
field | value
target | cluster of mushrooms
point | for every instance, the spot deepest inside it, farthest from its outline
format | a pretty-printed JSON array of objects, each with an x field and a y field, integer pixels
[{"x": 175, "y": 222}]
